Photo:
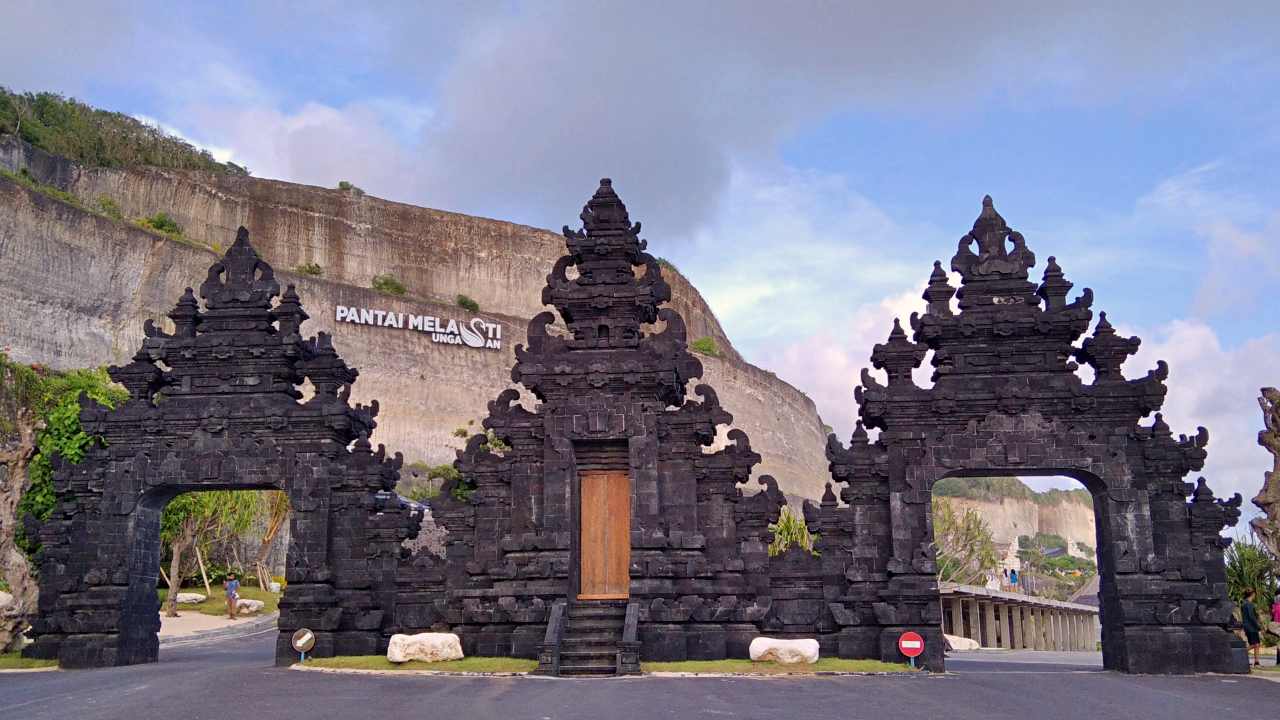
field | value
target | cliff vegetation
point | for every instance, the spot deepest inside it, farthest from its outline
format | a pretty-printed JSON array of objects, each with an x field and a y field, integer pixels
[
  {"x": 998, "y": 488},
  {"x": 64, "y": 126}
]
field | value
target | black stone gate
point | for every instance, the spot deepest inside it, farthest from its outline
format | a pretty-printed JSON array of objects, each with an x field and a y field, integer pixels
[
  {"x": 216, "y": 406},
  {"x": 1006, "y": 400}
]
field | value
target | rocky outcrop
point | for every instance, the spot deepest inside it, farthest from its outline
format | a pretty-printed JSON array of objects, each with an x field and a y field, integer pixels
[{"x": 53, "y": 256}]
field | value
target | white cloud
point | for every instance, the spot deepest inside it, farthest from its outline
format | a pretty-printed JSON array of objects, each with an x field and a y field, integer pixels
[
  {"x": 221, "y": 154},
  {"x": 790, "y": 252},
  {"x": 827, "y": 364},
  {"x": 1214, "y": 386}
]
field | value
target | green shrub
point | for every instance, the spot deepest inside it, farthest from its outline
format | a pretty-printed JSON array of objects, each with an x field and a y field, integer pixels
[
  {"x": 468, "y": 303},
  {"x": 387, "y": 284},
  {"x": 26, "y": 179},
  {"x": 706, "y": 346},
  {"x": 56, "y": 400},
  {"x": 666, "y": 264},
  {"x": 108, "y": 207},
  {"x": 349, "y": 187},
  {"x": 162, "y": 223},
  {"x": 790, "y": 530},
  {"x": 309, "y": 269}
]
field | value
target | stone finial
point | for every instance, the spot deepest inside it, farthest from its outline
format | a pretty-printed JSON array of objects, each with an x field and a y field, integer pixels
[
  {"x": 939, "y": 292},
  {"x": 1106, "y": 351},
  {"x": 289, "y": 312},
  {"x": 898, "y": 357},
  {"x": 185, "y": 315},
  {"x": 994, "y": 260},
  {"x": 1054, "y": 288},
  {"x": 240, "y": 279}
]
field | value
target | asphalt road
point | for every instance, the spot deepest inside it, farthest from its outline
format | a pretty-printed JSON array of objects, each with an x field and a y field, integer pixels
[{"x": 234, "y": 680}]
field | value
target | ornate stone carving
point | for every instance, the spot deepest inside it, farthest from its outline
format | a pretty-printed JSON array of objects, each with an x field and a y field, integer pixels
[
  {"x": 215, "y": 405},
  {"x": 1007, "y": 400}
]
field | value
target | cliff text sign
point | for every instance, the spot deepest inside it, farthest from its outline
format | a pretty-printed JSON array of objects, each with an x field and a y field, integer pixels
[{"x": 474, "y": 333}]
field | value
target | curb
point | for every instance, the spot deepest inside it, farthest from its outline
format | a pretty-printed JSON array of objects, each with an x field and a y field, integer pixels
[
  {"x": 397, "y": 673},
  {"x": 248, "y": 628},
  {"x": 54, "y": 668},
  {"x": 659, "y": 674}
]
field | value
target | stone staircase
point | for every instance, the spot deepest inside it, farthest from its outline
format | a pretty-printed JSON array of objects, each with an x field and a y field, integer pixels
[{"x": 592, "y": 635}]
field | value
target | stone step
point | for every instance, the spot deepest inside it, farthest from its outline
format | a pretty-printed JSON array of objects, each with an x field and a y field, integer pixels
[
  {"x": 578, "y": 626},
  {"x": 593, "y": 610},
  {"x": 586, "y": 670},
  {"x": 606, "y": 656},
  {"x": 583, "y": 642}
]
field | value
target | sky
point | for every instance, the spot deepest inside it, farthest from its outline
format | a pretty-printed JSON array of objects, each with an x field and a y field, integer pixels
[{"x": 803, "y": 163}]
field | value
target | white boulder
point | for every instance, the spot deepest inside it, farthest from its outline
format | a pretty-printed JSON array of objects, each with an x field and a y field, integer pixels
[
  {"x": 955, "y": 642},
  {"x": 191, "y": 598},
  {"x": 5, "y": 600},
  {"x": 244, "y": 606},
  {"x": 784, "y": 652},
  {"x": 427, "y": 647}
]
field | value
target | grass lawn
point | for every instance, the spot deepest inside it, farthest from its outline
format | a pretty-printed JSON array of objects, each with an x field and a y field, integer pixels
[
  {"x": 15, "y": 661},
  {"x": 471, "y": 664},
  {"x": 771, "y": 668},
  {"x": 217, "y": 604}
]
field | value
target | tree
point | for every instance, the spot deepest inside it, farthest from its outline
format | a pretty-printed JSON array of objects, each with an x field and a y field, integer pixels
[
  {"x": 202, "y": 517},
  {"x": 276, "y": 508},
  {"x": 965, "y": 550},
  {"x": 1250, "y": 566}
]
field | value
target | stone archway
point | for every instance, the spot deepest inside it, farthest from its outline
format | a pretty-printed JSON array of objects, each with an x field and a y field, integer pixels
[
  {"x": 1006, "y": 397},
  {"x": 216, "y": 406}
]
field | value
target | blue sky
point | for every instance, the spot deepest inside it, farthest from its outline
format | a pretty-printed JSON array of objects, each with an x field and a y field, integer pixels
[{"x": 802, "y": 163}]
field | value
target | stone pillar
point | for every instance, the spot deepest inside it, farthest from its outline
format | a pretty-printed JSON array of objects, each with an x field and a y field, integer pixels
[
  {"x": 1058, "y": 644},
  {"x": 988, "y": 624},
  {"x": 1031, "y": 631},
  {"x": 1063, "y": 642},
  {"x": 1077, "y": 634},
  {"x": 957, "y": 617},
  {"x": 1043, "y": 636},
  {"x": 975, "y": 622},
  {"x": 1002, "y": 619},
  {"x": 1016, "y": 611}
]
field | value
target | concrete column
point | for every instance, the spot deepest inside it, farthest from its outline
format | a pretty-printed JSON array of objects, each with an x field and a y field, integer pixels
[
  {"x": 1063, "y": 642},
  {"x": 1016, "y": 611},
  {"x": 1044, "y": 636},
  {"x": 1031, "y": 630},
  {"x": 988, "y": 624},
  {"x": 1002, "y": 619},
  {"x": 975, "y": 622},
  {"x": 957, "y": 617},
  {"x": 1077, "y": 631},
  {"x": 1059, "y": 636}
]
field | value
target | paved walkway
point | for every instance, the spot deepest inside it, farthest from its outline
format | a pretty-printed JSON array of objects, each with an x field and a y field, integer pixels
[
  {"x": 236, "y": 677},
  {"x": 190, "y": 621}
]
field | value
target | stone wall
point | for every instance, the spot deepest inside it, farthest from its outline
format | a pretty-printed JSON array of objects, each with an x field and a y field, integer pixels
[{"x": 54, "y": 256}]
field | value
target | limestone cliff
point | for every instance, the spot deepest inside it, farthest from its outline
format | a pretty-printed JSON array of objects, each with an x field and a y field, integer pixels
[
  {"x": 1067, "y": 516},
  {"x": 77, "y": 287}
]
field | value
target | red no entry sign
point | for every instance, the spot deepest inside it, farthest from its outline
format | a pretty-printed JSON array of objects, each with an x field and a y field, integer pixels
[{"x": 911, "y": 644}]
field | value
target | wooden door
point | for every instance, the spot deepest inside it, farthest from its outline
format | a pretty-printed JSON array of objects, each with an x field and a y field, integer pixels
[{"x": 605, "y": 536}]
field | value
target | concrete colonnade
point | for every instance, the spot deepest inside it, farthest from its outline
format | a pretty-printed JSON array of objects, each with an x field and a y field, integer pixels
[{"x": 1020, "y": 623}]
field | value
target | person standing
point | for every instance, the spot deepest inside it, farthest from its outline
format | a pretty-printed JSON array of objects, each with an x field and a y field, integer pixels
[
  {"x": 1252, "y": 629},
  {"x": 233, "y": 594}
]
